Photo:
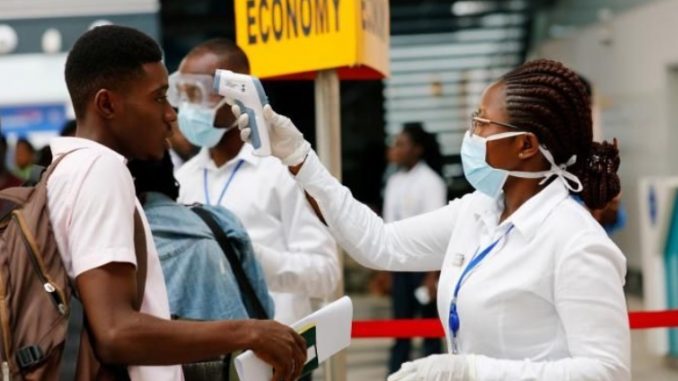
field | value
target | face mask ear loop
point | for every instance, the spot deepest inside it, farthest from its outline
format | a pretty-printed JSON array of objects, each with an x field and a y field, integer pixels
[{"x": 561, "y": 172}]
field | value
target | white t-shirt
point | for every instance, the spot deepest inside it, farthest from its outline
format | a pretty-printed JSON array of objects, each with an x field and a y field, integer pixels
[
  {"x": 91, "y": 204},
  {"x": 301, "y": 257}
]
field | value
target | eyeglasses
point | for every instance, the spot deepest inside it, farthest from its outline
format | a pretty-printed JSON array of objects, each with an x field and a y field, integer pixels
[{"x": 477, "y": 121}]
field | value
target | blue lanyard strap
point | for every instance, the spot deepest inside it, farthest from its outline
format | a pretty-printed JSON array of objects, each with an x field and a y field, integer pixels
[
  {"x": 228, "y": 182},
  {"x": 454, "y": 316}
]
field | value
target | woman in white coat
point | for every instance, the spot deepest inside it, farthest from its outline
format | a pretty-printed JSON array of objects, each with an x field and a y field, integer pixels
[{"x": 531, "y": 286}]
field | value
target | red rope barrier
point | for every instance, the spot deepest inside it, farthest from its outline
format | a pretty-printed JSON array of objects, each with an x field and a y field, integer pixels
[
  {"x": 653, "y": 319},
  {"x": 408, "y": 328}
]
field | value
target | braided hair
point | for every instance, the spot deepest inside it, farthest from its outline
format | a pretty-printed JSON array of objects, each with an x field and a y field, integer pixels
[{"x": 551, "y": 101}]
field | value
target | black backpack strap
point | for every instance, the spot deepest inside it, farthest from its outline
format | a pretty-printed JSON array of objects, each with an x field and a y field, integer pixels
[{"x": 252, "y": 303}]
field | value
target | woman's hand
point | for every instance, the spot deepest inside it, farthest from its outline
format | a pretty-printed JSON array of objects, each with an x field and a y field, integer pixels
[
  {"x": 444, "y": 367},
  {"x": 287, "y": 142}
]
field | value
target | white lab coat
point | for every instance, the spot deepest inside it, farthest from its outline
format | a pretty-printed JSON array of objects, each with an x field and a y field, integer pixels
[
  {"x": 546, "y": 304},
  {"x": 295, "y": 250}
]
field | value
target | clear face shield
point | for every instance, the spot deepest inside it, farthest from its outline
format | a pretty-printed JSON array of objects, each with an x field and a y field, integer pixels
[
  {"x": 198, "y": 105},
  {"x": 195, "y": 89}
]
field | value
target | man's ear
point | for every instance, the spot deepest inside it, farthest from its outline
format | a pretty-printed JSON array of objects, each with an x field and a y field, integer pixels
[
  {"x": 105, "y": 103},
  {"x": 529, "y": 146}
]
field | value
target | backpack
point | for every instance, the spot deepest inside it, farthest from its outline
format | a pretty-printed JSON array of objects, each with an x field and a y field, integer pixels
[
  {"x": 34, "y": 287},
  {"x": 35, "y": 291}
]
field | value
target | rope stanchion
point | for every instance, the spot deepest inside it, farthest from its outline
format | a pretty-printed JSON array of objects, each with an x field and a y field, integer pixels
[{"x": 428, "y": 328}]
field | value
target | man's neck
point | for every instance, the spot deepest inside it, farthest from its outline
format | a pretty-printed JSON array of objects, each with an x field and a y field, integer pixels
[
  {"x": 228, "y": 148},
  {"x": 98, "y": 135}
]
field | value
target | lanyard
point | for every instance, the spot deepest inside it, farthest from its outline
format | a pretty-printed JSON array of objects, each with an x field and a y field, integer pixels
[
  {"x": 223, "y": 191},
  {"x": 453, "y": 321}
]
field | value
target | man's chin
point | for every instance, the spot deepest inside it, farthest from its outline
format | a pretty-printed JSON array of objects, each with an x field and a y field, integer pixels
[{"x": 152, "y": 156}]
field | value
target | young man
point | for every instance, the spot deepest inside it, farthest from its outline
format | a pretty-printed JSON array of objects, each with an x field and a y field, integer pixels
[
  {"x": 117, "y": 84},
  {"x": 295, "y": 249},
  {"x": 24, "y": 158}
]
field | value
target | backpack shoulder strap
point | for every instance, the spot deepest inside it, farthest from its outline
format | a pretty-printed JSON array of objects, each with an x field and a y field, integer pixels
[{"x": 252, "y": 303}]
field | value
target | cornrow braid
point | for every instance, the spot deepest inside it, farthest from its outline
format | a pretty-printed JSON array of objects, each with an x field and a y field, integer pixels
[{"x": 548, "y": 99}]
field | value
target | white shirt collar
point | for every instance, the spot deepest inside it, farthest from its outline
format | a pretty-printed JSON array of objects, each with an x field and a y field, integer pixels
[
  {"x": 63, "y": 145},
  {"x": 531, "y": 214},
  {"x": 246, "y": 154},
  {"x": 415, "y": 169}
]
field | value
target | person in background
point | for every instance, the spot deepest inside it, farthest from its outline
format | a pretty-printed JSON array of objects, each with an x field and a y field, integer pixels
[
  {"x": 612, "y": 217},
  {"x": 69, "y": 128},
  {"x": 415, "y": 188},
  {"x": 7, "y": 178},
  {"x": 296, "y": 251},
  {"x": 45, "y": 154},
  {"x": 200, "y": 282},
  {"x": 24, "y": 158}
]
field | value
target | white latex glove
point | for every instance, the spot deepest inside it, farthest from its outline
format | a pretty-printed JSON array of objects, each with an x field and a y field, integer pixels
[
  {"x": 444, "y": 367},
  {"x": 287, "y": 143}
]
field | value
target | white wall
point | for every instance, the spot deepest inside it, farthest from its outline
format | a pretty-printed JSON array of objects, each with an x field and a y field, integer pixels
[
  {"x": 33, "y": 78},
  {"x": 15, "y": 9},
  {"x": 631, "y": 78}
]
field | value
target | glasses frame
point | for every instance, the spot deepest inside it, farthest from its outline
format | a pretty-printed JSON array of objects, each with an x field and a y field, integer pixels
[{"x": 477, "y": 119}]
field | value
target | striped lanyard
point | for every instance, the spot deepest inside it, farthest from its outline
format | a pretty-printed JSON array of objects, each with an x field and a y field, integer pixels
[
  {"x": 223, "y": 191},
  {"x": 453, "y": 320}
]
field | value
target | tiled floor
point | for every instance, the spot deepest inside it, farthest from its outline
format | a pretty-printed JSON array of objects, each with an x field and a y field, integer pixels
[{"x": 367, "y": 358}]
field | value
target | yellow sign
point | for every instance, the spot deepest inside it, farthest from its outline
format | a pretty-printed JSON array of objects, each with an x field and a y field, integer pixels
[{"x": 283, "y": 37}]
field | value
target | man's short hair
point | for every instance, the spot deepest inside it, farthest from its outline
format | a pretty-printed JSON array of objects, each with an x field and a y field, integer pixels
[
  {"x": 107, "y": 57},
  {"x": 230, "y": 54}
]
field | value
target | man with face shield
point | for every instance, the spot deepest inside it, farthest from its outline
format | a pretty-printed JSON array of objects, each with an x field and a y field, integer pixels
[{"x": 295, "y": 249}]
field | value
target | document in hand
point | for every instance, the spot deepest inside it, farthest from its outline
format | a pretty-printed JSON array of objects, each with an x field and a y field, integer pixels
[{"x": 327, "y": 331}]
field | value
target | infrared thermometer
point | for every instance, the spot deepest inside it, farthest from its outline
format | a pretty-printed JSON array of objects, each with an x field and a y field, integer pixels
[{"x": 246, "y": 91}]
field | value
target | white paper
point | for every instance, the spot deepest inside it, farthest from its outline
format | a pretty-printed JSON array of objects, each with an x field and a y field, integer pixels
[{"x": 333, "y": 333}]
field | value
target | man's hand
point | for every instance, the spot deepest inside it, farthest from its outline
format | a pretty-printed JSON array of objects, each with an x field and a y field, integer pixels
[
  {"x": 279, "y": 346},
  {"x": 287, "y": 143}
]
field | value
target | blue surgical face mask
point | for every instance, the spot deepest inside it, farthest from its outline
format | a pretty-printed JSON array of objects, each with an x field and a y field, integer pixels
[
  {"x": 490, "y": 181},
  {"x": 196, "y": 122}
]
